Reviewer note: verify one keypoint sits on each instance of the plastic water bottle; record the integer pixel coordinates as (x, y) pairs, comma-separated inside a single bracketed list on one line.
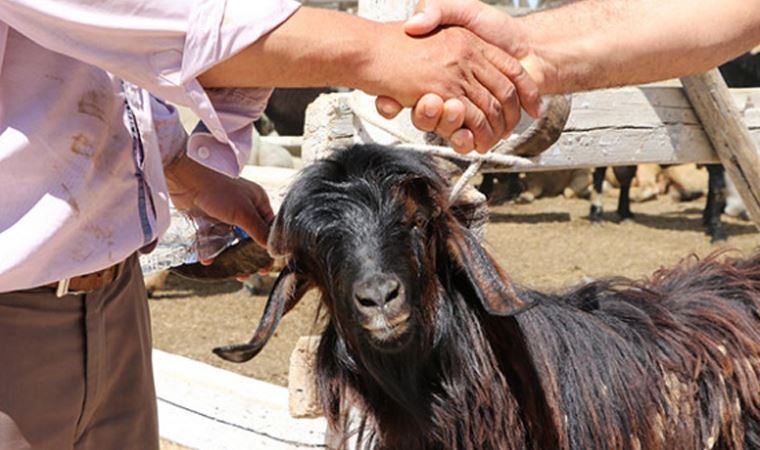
[(188, 240)]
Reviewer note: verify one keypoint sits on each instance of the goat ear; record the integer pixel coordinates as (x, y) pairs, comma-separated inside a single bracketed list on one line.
[(287, 291), (486, 280)]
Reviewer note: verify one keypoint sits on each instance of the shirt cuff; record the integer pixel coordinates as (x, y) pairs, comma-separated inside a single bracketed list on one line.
[(207, 150)]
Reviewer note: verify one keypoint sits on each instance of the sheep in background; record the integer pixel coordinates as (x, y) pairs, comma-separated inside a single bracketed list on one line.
[(527, 187)]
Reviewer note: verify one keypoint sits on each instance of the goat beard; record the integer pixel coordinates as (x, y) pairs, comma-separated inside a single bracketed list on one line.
[(444, 390)]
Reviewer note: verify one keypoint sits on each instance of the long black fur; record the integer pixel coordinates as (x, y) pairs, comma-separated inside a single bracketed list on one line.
[(672, 362)]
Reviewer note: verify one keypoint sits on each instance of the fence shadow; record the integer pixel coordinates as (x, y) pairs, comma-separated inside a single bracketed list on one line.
[(545, 217), (179, 287), (681, 221)]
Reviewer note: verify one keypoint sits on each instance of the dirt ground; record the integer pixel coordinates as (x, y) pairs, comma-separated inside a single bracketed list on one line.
[(548, 245)]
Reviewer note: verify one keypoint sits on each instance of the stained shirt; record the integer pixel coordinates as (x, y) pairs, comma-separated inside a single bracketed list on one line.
[(78, 192)]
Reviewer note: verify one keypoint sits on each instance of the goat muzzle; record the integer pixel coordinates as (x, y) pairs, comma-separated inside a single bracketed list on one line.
[(380, 300)]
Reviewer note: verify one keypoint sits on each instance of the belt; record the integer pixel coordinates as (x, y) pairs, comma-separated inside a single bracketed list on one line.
[(88, 282)]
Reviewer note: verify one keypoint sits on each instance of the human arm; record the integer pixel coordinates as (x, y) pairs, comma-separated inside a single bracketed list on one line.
[(200, 191), (380, 59), (595, 44), (207, 196), (165, 46)]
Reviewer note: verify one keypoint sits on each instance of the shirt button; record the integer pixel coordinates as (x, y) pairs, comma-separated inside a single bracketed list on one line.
[(203, 152)]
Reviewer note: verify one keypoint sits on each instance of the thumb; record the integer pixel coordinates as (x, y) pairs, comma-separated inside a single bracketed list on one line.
[(425, 20)]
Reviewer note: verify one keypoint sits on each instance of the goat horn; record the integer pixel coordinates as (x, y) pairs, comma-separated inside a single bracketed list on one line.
[(543, 132), (287, 291)]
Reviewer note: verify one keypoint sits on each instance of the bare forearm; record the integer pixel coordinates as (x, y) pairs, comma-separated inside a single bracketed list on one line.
[(603, 43), (314, 47), (323, 48)]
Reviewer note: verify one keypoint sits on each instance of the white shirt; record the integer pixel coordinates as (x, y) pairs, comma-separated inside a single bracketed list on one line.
[(77, 196)]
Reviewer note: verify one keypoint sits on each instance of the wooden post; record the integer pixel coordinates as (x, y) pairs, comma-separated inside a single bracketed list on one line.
[(386, 10), (722, 121)]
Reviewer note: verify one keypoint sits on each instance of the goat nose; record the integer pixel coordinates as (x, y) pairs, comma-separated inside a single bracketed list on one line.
[(377, 291)]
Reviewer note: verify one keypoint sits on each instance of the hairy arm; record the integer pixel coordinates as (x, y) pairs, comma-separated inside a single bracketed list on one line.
[(602, 43), (594, 44)]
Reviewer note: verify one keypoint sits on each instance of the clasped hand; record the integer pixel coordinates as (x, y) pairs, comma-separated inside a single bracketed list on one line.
[(482, 102)]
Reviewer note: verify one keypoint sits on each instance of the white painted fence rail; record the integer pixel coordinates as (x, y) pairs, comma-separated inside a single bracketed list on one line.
[(206, 408), (633, 125)]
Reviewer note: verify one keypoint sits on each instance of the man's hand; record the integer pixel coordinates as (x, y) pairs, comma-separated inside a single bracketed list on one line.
[(490, 24), (454, 64), (200, 190), (326, 48), (433, 114), (585, 45)]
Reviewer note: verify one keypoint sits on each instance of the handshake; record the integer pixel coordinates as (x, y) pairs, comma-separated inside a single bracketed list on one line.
[(481, 75), (468, 70)]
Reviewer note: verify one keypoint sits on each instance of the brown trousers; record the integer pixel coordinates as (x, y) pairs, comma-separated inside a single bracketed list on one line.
[(75, 372)]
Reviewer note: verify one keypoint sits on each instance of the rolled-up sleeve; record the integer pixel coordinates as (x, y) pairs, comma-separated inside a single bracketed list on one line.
[(162, 46)]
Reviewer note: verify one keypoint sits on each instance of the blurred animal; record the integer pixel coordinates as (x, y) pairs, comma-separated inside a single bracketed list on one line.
[(438, 349), (525, 188), (286, 110), (741, 72)]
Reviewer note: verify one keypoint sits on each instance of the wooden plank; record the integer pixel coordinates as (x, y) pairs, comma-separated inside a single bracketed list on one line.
[(274, 180), (647, 124), (329, 124), (735, 145), (203, 407), (386, 10)]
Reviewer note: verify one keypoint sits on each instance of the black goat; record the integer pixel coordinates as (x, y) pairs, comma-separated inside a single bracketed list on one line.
[(439, 350), (286, 110)]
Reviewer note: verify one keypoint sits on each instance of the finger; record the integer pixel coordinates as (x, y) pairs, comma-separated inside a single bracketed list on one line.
[(485, 117), (462, 141), (477, 123), (505, 93), (264, 208), (387, 107), (530, 94), (431, 14), (242, 278), (207, 262), (525, 86), (502, 91), (426, 19), (257, 229), (453, 118), (427, 112)]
